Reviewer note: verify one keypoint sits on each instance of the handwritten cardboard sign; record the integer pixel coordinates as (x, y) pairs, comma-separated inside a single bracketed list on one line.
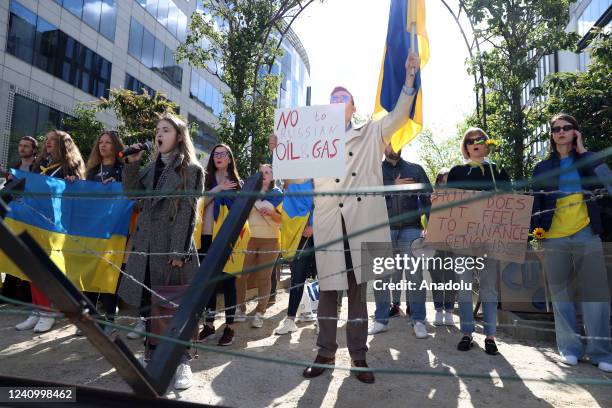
[(310, 142), (497, 226)]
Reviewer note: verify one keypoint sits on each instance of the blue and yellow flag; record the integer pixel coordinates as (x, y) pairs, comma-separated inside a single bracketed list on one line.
[(85, 237), (221, 209), (295, 215), (405, 17)]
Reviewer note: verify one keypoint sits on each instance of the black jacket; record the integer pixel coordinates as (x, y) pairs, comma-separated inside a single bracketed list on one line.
[(402, 203), (543, 202), (469, 177)]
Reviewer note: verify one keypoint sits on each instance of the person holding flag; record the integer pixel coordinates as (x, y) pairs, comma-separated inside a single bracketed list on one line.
[(337, 216)]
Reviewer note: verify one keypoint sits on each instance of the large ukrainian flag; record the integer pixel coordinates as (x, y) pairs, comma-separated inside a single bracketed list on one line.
[(403, 16), (295, 215), (77, 233)]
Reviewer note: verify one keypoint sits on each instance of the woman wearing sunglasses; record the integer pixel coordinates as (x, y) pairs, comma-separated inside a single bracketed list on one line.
[(570, 219), (481, 175)]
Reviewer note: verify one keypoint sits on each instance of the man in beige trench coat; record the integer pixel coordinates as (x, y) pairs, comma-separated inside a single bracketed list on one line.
[(336, 216)]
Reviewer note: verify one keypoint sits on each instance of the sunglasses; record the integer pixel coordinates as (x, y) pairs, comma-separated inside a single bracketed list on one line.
[(478, 140), (340, 99), (565, 128), (220, 155)]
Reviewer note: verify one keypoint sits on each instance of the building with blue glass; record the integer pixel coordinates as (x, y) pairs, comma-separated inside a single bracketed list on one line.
[(57, 53), (586, 18)]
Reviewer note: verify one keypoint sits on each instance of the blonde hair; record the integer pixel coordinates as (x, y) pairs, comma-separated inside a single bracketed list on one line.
[(68, 155), (470, 132)]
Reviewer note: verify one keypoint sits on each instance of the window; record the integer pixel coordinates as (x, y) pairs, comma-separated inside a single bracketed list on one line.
[(154, 54), (135, 85), (56, 53), (135, 41), (74, 6), (206, 93), (31, 118), (22, 32), (148, 47), (108, 19), (92, 9), (101, 15), (169, 15)]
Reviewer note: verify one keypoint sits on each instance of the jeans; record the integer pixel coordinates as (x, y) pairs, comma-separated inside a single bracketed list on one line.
[(584, 252), (488, 298), (301, 268), (226, 285), (402, 237)]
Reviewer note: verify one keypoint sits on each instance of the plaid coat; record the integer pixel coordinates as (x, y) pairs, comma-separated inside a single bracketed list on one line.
[(164, 225)]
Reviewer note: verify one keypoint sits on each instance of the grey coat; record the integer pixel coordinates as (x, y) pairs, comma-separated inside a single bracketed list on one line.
[(164, 225)]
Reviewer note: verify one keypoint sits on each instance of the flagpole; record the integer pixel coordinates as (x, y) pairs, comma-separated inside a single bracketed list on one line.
[(412, 15)]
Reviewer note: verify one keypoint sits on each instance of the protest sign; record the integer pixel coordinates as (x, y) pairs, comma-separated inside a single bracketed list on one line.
[(310, 142), (497, 225)]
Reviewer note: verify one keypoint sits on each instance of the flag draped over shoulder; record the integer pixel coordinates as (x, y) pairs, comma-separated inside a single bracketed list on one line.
[(85, 237), (295, 215), (221, 209), (403, 16)]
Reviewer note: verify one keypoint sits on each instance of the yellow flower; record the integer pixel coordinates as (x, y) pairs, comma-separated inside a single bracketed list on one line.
[(538, 233), (491, 143)]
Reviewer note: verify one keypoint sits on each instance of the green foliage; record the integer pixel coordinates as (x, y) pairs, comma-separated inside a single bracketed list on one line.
[(84, 127), (137, 114), (517, 34), (585, 95), (437, 155), (238, 36)]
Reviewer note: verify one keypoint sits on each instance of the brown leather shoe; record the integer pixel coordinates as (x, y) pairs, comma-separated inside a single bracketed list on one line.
[(312, 372), (363, 376)]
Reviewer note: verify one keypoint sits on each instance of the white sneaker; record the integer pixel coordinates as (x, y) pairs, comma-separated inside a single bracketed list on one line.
[(449, 320), (138, 331), (286, 326), (420, 331), (257, 321), (569, 360), (28, 323), (607, 367), (439, 318), (45, 323), (307, 317), (183, 377), (239, 316), (377, 327)]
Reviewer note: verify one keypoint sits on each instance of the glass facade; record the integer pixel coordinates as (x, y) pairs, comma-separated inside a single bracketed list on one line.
[(154, 54), (204, 139), (167, 13), (295, 78), (38, 42), (206, 93), (31, 118), (591, 14), (101, 15), (135, 85)]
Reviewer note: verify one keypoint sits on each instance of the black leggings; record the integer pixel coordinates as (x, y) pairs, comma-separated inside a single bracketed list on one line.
[(226, 285)]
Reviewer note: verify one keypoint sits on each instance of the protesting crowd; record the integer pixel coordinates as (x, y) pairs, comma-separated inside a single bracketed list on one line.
[(171, 236)]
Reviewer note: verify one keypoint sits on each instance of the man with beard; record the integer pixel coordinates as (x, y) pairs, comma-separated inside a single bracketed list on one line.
[(397, 171), (13, 287)]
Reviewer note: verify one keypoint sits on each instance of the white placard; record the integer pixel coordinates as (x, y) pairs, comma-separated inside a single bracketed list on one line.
[(310, 142)]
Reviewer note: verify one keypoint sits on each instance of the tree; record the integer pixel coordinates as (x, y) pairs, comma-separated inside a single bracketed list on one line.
[(436, 156), (518, 33), (83, 127), (136, 114), (243, 37), (585, 95)]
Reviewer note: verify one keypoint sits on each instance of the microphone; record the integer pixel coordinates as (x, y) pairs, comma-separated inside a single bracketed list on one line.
[(146, 146)]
